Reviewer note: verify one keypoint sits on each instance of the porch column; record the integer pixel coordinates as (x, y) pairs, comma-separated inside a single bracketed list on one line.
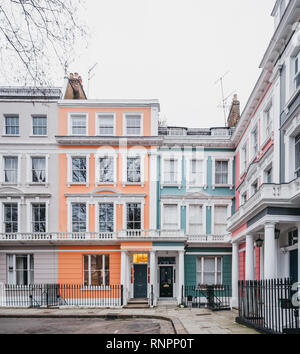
[(270, 252), (153, 275), (298, 226), (249, 262), (180, 276), (123, 275), (261, 264), (235, 274)]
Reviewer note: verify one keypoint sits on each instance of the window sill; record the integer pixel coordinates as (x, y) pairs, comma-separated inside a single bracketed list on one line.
[(176, 185), (133, 184), (10, 135), (38, 136), (222, 186), (95, 287), (196, 186), (38, 184)]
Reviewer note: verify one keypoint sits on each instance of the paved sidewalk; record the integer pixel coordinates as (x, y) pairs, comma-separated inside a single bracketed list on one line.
[(185, 320)]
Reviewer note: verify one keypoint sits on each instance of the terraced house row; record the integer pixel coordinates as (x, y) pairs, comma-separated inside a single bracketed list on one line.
[(98, 193)]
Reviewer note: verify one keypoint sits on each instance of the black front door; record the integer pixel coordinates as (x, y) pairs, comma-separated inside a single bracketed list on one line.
[(140, 280), (166, 281)]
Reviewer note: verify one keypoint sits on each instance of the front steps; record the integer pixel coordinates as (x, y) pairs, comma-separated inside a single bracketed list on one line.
[(137, 304), (168, 302)]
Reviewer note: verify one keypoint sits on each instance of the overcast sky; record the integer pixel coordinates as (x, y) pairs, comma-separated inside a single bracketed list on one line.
[(175, 51)]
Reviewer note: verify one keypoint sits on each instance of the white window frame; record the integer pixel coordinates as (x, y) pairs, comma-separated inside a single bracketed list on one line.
[(39, 116), (9, 201), (178, 205), (69, 167), (253, 152), (142, 202), (230, 174), (244, 158), (201, 260), (90, 286), (70, 125), (223, 204), (203, 217), (268, 112), (166, 157), (141, 154), (29, 213), (128, 114), (294, 74), (97, 209), (29, 169), (29, 255), (98, 118), (2, 172), (4, 125), (69, 207), (106, 154), (189, 169)]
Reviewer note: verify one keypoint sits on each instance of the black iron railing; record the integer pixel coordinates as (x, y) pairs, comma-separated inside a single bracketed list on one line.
[(267, 305), (215, 297), (41, 295)]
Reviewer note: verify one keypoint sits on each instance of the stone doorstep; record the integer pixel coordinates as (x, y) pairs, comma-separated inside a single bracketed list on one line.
[(176, 323)]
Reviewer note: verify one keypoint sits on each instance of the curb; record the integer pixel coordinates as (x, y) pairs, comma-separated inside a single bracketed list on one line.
[(176, 323)]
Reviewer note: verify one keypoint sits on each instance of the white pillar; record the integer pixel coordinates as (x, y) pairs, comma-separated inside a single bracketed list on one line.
[(261, 265), (249, 274), (153, 275), (235, 274), (270, 252), (298, 253), (180, 276), (123, 275)]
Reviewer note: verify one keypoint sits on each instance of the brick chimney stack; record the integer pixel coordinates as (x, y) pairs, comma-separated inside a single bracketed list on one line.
[(234, 113), (74, 89)]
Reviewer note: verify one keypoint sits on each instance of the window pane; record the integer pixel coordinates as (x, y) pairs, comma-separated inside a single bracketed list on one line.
[(106, 169), (196, 173), (12, 125), (220, 220), (79, 169), (79, 125), (106, 124), (39, 169), (170, 217), (134, 216), (106, 217), (221, 172), (11, 217), (134, 169), (195, 219), (39, 217), (133, 125), (39, 125), (170, 173), (78, 217), (11, 169)]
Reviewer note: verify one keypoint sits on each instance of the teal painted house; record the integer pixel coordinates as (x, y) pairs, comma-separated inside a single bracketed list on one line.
[(195, 194)]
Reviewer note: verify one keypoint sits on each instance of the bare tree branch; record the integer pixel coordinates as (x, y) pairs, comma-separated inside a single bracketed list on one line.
[(36, 35)]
